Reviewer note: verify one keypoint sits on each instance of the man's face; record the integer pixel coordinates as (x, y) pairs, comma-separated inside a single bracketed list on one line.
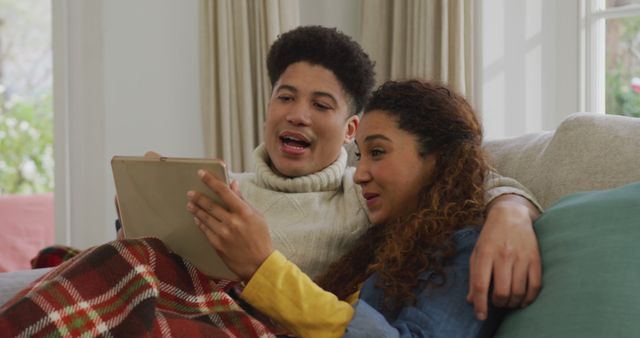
[(307, 121)]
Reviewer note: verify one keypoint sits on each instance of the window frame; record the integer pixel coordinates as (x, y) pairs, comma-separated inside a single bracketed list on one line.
[(592, 37), (79, 119)]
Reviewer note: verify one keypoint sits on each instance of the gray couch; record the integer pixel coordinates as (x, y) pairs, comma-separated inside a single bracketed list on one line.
[(12, 282), (586, 152)]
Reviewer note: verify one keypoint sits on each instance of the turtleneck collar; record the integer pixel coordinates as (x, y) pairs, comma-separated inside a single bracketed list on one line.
[(327, 179)]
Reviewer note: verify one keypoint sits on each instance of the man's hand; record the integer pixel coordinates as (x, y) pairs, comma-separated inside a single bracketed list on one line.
[(239, 234), (507, 249)]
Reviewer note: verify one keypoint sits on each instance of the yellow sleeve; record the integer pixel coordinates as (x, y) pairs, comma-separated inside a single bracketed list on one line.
[(354, 296), (281, 291)]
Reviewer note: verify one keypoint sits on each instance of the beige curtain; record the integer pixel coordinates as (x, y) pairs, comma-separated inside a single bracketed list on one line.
[(234, 39), (432, 39)]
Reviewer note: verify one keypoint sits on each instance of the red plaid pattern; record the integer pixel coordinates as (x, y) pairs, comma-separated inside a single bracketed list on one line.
[(53, 256), (128, 288)]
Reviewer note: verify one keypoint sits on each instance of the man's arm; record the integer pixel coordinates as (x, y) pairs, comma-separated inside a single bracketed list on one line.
[(507, 249)]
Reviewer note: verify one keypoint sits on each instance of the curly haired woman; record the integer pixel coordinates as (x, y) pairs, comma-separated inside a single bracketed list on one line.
[(422, 171)]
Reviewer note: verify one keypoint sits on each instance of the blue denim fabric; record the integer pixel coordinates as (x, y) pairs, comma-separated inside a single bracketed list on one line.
[(438, 312)]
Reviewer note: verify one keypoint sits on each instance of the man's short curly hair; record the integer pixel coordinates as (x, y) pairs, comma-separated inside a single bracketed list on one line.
[(330, 49)]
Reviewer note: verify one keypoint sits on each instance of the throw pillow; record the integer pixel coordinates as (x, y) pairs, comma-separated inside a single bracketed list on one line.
[(589, 243)]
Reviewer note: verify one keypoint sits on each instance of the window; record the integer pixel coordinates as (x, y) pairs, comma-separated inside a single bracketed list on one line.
[(612, 57), (26, 132), (26, 118)]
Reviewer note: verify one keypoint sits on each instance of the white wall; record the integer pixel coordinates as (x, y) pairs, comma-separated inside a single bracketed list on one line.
[(151, 61), (528, 64), (126, 82)]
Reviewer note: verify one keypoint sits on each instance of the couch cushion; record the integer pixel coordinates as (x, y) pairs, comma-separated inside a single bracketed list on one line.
[(13, 282), (586, 152), (589, 244)]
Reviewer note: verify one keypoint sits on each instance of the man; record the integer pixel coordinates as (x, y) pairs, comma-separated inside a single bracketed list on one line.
[(321, 79)]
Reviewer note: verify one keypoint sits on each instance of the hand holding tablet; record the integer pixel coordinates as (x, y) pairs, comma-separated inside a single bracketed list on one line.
[(152, 197)]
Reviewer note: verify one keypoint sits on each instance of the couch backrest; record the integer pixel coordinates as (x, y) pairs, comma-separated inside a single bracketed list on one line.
[(586, 152)]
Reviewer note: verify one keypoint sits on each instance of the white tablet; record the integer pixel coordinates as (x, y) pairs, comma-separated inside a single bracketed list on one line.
[(152, 198)]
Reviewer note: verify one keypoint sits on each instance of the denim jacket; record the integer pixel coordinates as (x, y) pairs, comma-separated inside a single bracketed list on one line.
[(440, 311)]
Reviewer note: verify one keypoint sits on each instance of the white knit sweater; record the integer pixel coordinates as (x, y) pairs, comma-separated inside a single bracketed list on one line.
[(313, 219)]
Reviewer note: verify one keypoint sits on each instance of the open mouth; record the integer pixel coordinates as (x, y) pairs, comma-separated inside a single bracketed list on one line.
[(294, 142)]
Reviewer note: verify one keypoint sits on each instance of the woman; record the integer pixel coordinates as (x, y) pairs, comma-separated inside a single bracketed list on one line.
[(421, 171)]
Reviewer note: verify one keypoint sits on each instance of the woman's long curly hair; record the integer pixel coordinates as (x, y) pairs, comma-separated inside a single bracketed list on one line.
[(445, 125)]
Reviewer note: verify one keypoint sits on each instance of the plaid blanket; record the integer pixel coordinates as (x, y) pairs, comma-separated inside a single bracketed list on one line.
[(128, 288), (52, 256)]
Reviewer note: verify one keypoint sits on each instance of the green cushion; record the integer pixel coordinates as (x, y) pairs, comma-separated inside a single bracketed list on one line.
[(590, 247)]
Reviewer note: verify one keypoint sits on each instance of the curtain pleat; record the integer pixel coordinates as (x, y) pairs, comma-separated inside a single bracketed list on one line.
[(431, 39), (235, 36)]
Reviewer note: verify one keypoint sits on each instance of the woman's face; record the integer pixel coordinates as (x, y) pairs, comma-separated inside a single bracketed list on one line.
[(390, 171)]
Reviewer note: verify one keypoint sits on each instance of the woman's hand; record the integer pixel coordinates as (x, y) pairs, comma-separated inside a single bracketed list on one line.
[(507, 249), (239, 233)]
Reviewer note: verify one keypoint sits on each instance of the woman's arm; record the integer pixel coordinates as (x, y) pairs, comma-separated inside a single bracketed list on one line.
[(284, 293), (275, 286)]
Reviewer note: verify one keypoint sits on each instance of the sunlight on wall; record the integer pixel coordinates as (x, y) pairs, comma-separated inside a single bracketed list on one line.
[(525, 88)]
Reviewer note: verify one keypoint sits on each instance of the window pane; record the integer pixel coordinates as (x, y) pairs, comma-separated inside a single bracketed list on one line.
[(620, 3), (623, 66), (26, 118)]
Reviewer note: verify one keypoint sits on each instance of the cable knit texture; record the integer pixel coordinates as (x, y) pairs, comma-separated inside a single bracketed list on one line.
[(328, 179), (313, 219)]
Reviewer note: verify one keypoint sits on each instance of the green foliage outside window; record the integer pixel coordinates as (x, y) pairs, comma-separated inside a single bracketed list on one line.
[(26, 146), (621, 99), (26, 114), (623, 64)]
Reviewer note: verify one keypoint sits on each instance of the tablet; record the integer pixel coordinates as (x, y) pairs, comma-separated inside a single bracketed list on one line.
[(152, 198)]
